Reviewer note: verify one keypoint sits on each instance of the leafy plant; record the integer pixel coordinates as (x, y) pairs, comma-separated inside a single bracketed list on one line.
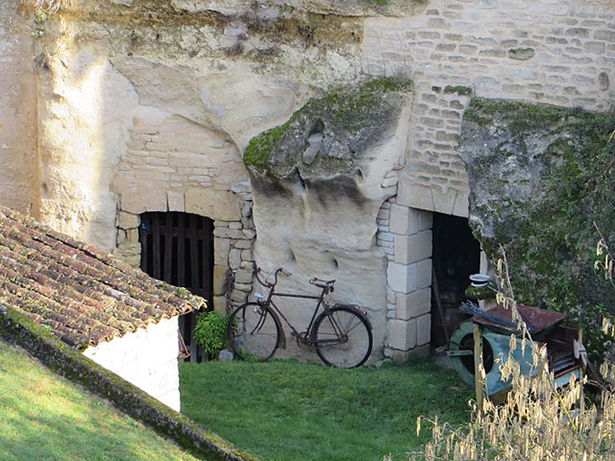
[(210, 332)]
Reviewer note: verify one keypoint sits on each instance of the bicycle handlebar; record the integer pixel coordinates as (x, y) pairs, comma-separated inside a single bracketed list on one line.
[(275, 277), (320, 283)]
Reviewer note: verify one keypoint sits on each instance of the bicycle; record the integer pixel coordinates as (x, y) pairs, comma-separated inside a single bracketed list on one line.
[(341, 334)]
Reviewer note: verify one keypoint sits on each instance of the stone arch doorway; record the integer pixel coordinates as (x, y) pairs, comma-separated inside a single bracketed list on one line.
[(456, 255), (178, 248)]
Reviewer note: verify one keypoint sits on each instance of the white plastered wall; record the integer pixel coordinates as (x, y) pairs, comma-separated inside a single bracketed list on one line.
[(146, 358)]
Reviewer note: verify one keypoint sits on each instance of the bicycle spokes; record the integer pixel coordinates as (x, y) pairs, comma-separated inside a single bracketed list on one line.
[(343, 337)]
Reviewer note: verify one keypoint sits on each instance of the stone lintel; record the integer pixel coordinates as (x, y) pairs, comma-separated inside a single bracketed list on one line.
[(433, 198), (141, 200), (212, 203), (176, 201)]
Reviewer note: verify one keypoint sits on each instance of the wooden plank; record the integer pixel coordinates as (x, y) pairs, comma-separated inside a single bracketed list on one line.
[(144, 239), (156, 250), (479, 382), (181, 251), (194, 262), (208, 260), (168, 248)]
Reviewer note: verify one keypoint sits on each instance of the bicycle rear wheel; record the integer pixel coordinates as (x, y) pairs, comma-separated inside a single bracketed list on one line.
[(343, 337), (254, 332)]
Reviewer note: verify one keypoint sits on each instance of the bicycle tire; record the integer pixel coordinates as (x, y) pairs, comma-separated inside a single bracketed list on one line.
[(343, 337), (254, 332)]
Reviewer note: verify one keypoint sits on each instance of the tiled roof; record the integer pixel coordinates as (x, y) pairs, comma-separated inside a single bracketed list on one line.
[(81, 293)]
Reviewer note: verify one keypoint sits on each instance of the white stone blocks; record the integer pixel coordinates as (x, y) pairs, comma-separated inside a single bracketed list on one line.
[(406, 220), (406, 278), (221, 250), (413, 304), (413, 248), (127, 220), (423, 330), (402, 334)]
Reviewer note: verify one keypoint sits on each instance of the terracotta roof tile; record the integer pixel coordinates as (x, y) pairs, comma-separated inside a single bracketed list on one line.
[(84, 295)]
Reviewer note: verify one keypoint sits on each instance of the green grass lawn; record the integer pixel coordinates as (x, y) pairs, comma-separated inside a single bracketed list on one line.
[(286, 410), (45, 417)]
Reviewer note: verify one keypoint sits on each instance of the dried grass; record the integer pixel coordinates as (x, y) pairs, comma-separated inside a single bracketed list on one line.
[(538, 421), (49, 7)]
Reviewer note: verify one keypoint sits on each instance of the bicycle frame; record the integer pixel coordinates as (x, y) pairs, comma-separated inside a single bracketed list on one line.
[(339, 334), (269, 303)]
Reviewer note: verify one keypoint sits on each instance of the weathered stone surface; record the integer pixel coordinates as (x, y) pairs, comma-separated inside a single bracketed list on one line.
[(535, 191), (19, 185), (215, 204), (127, 220), (333, 135), (413, 304), (137, 201)]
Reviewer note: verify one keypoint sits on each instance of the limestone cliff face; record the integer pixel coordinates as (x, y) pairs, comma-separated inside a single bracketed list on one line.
[(18, 173), (150, 105), (317, 183)]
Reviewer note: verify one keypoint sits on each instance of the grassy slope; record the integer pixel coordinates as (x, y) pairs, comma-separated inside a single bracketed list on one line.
[(44, 417), (284, 410)]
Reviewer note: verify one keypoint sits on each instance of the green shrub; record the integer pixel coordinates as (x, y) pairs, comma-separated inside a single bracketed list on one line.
[(210, 332)]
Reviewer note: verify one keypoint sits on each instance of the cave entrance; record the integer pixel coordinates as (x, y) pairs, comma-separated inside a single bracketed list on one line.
[(456, 255), (178, 248)]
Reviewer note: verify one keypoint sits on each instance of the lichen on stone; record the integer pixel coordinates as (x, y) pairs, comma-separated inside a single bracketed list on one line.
[(329, 135), (541, 182)]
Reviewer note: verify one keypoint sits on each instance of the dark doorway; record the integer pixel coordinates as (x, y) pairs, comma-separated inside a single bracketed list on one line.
[(456, 255), (178, 248)]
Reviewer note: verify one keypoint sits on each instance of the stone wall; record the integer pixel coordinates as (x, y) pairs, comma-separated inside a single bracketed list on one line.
[(147, 358), (175, 164), (149, 105), (558, 52)]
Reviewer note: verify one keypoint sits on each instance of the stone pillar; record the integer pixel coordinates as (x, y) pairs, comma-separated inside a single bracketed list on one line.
[(409, 284)]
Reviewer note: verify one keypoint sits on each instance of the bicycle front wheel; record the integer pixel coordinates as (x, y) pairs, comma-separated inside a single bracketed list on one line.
[(343, 337), (254, 332)]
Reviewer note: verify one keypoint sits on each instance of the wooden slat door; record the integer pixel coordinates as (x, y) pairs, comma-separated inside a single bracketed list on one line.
[(178, 248)]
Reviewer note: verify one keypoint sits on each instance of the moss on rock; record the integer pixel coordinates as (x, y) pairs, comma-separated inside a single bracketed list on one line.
[(328, 135), (542, 180)]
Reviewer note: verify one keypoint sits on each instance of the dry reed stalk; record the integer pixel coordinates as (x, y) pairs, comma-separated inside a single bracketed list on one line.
[(538, 421)]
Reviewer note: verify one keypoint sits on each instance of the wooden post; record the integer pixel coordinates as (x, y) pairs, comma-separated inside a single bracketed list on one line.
[(479, 382)]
